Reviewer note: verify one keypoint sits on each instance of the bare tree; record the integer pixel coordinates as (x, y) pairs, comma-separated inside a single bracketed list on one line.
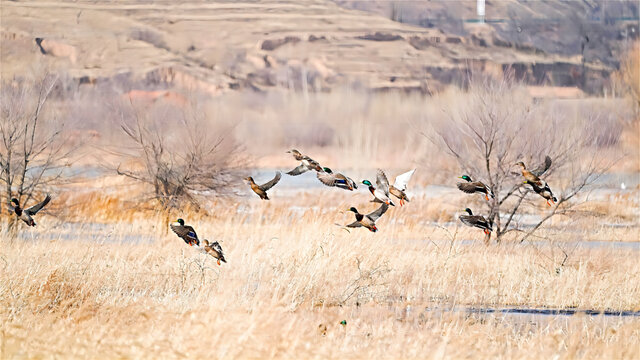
[(171, 147), (500, 125), (32, 150)]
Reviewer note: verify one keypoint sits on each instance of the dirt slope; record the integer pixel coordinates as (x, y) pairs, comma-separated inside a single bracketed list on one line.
[(312, 45)]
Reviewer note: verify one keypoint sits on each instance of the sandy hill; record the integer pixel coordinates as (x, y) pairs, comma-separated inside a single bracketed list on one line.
[(218, 46)]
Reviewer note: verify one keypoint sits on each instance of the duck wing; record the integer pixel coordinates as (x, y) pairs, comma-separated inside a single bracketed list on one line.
[(298, 170), (403, 179), (37, 207), (354, 224), (472, 187), (475, 220), (542, 168), (378, 213), (335, 179), (270, 184), (186, 233), (382, 182), (326, 178)]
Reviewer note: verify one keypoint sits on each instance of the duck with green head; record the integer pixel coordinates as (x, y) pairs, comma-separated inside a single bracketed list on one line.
[(329, 178), (381, 193), (185, 232), (476, 221), (368, 221), (471, 187)]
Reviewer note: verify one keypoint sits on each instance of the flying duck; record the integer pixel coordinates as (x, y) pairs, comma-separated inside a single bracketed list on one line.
[(306, 163), (26, 215), (261, 190)]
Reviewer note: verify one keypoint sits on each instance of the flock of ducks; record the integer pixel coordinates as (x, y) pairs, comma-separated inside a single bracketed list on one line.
[(382, 193)]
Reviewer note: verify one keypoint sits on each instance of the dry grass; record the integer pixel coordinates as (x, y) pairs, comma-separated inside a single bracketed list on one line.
[(292, 274)]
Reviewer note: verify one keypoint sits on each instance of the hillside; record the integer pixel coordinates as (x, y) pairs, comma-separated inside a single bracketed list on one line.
[(314, 45)]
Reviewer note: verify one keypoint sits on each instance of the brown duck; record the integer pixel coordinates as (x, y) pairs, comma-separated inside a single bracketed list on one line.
[(533, 176), (261, 190), (306, 163)]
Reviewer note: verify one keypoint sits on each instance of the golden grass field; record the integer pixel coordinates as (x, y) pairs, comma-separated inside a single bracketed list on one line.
[(130, 289), (103, 277)]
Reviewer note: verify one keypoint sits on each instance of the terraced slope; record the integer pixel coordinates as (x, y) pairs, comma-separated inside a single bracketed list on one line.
[(312, 45)]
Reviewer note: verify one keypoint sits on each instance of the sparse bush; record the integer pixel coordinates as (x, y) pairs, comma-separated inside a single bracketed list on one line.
[(500, 125), (178, 151), (33, 151)]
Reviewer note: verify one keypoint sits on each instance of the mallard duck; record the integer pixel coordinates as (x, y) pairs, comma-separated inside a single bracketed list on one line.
[(400, 186), (261, 190), (544, 191), (329, 178), (381, 193), (307, 163), (471, 187), (26, 214), (369, 220), (185, 232), (214, 249), (476, 221), (533, 176)]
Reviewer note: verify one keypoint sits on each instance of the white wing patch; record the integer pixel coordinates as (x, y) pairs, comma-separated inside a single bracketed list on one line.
[(402, 180)]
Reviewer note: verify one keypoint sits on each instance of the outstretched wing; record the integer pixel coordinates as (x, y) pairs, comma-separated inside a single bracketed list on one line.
[(298, 170), (337, 180), (37, 207), (327, 179), (187, 233), (376, 214), (542, 168), (403, 179), (471, 187), (475, 220), (354, 224), (270, 184), (382, 182)]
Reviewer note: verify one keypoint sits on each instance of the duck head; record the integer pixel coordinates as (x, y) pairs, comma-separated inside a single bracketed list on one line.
[(15, 202), (353, 209), (367, 182), (180, 221), (248, 179), (521, 164), (468, 211), (465, 177), (327, 170)]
